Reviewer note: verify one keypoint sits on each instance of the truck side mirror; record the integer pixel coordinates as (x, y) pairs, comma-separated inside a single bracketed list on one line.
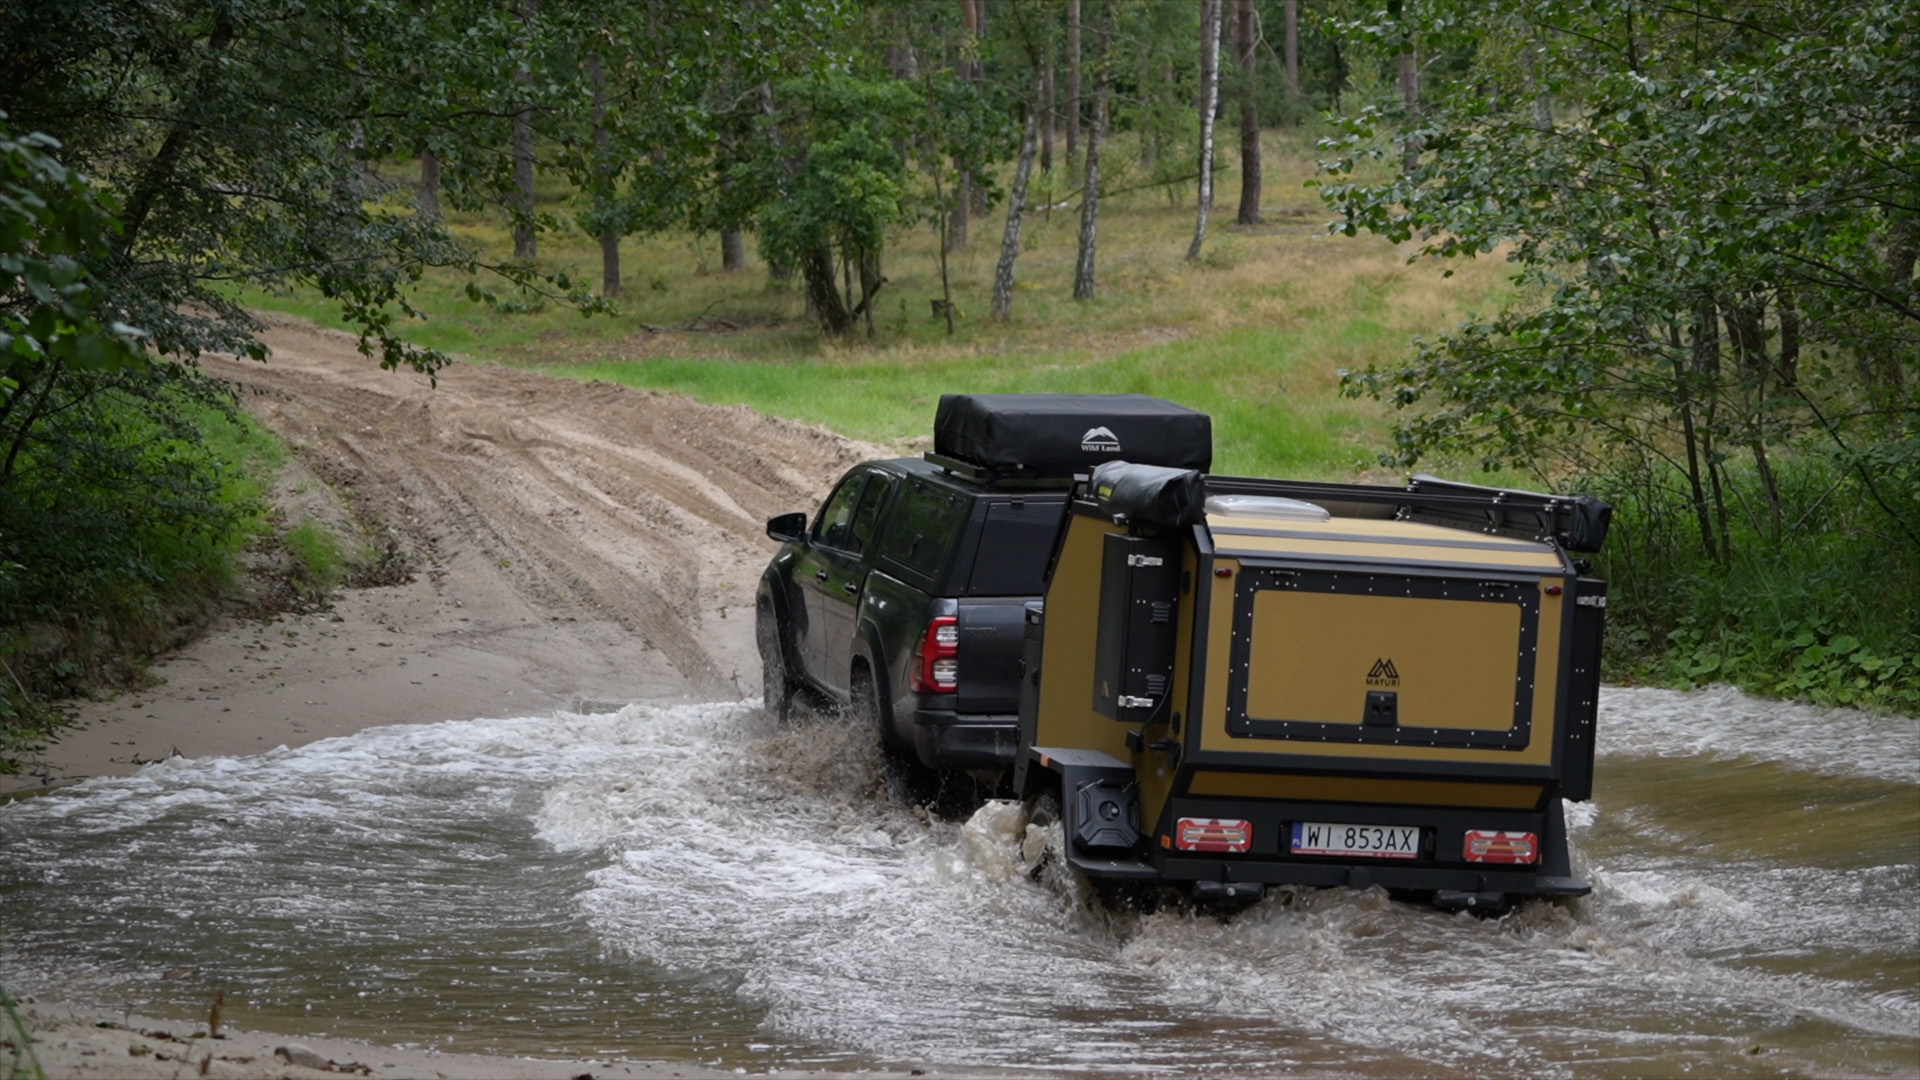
[(787, 528)]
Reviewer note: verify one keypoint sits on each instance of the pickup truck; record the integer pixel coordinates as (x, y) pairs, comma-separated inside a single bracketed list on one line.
[(904, 599)]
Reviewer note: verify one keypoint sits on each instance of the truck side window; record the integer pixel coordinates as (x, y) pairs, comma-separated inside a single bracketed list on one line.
[(834, 527), (922, 529), (868, 516)]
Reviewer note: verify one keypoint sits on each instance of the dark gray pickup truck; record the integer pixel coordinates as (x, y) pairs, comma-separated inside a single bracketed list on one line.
[(905, 597)]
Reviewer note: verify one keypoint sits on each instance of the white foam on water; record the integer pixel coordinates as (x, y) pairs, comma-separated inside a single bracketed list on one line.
[(717, 853), (1722, 722)]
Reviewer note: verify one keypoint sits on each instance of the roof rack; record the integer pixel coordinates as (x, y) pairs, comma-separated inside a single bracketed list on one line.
[(1013, 477)]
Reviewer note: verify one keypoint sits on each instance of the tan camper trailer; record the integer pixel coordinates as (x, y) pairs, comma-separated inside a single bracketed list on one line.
[(1237, 683)]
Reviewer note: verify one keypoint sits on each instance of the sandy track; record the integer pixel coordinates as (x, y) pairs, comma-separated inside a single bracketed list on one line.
[(580, 500), (570, 543)]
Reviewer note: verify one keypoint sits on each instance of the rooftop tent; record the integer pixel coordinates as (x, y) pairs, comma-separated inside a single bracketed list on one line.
[(1058, 435)]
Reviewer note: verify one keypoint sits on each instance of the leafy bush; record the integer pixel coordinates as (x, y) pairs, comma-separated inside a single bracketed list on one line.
[(126, 501), (1826, 612)]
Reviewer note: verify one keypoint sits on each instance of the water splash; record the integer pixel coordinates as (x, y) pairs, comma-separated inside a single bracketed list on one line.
[(702, 883)]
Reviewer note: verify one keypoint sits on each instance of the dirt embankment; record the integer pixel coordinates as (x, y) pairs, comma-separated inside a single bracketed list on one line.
[(566, 543)]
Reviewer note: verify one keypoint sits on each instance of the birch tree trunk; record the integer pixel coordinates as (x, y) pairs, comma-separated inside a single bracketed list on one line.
[(1209, 100), (1246, 33), (1084, 287), (526, 244), (1073, 78), (1410, 95), (1016, 209), (1049, 110)]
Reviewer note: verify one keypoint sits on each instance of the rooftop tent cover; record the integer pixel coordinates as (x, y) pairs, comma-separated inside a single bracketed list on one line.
[(1061, 434)]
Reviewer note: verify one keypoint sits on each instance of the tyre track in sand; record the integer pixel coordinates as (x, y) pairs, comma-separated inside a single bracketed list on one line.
[(566, 502)]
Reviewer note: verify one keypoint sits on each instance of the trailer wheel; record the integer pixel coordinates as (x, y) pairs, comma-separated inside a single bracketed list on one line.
[(1044, 850)]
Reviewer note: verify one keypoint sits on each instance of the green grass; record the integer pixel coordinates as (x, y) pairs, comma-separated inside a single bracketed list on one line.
[(319, 564), (1256, 333), (1246, 379)]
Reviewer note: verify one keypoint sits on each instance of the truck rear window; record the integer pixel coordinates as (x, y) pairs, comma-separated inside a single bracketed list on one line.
[(922, 529), (1014, 548)]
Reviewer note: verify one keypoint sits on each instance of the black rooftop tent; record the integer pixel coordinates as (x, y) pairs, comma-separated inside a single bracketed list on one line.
[(1043, 436)]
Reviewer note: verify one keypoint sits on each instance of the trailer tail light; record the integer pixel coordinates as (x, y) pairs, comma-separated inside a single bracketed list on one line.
[(1502, 847), (1212, 834), (936, 659)]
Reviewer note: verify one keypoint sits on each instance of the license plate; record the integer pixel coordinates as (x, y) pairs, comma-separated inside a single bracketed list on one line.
[(1367, 841)]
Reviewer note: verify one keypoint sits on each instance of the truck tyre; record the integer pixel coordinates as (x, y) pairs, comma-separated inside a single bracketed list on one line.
[(908, 781), (776, 682)]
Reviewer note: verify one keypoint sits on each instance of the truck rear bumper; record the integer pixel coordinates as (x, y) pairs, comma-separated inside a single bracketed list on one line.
[(944, 739)]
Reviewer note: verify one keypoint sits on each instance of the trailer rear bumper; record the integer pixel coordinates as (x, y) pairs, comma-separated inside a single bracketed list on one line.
[(1440, 861), (1357, 876)]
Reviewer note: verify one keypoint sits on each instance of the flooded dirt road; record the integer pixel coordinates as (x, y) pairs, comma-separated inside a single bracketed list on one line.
[(692, 882)]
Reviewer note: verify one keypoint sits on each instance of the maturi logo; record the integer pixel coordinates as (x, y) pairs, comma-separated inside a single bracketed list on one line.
[(1383, 673), (1100, 440)]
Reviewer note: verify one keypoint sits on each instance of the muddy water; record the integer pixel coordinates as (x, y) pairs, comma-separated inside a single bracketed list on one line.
[(694, 883)]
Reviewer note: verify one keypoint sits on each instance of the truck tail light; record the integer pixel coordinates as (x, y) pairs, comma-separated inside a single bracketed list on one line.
[(1212, 834), (936, 659), (1502, 847)]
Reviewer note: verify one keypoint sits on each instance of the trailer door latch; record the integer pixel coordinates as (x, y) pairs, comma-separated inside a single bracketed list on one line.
[(1383, 709)]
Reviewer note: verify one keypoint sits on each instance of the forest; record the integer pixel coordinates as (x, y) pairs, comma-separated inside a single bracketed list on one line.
[(1701, 217)]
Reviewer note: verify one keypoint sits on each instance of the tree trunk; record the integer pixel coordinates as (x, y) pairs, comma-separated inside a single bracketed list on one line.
[(1049, 110), (158, 172), (609, 236), (1222, 46), (963, 192), (1410, 98), (1073, 78), (733, 251), (871, 279), (1542, 117), (1291, 61), (428, 200), (526, 244), (1084, 287), (1246, 32), (1788, 367), (1339, 78), (1706, 390), (945, 305), (1016, 208), (823, 293), (1209, 99), (1696, 489)]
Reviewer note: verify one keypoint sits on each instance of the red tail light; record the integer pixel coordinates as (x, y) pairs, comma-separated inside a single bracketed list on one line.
[(936, 660), (1212, 834), (1502, 847)]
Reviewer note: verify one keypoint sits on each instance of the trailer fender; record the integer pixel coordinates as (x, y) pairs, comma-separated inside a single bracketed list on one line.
[(1099, 806)]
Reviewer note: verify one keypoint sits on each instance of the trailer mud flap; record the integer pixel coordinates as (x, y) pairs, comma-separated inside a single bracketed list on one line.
[(1100, 810)]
